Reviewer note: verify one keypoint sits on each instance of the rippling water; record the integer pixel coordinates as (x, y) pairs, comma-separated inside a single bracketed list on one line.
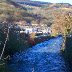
[(43, 57)]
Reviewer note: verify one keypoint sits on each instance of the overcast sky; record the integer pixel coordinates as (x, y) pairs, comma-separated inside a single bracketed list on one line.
[(56, 1)]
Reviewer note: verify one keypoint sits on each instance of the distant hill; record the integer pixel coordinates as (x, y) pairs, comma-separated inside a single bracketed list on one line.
[(42, 13), (58, 5), (45, 10), (31, 3), (9, 9), (13, 11), (45, 4)]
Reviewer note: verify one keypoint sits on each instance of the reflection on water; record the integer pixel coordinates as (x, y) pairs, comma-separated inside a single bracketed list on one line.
[(44, 57)]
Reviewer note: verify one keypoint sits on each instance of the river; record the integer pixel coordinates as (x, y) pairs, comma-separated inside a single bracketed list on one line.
[(43, 57)]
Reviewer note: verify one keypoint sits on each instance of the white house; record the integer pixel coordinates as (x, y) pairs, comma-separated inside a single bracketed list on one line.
[(30, 30), (46, 30)]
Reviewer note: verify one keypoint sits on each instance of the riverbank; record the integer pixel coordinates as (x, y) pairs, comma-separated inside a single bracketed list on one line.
[(43, 57), (45, 54), (42, 39), (67, 53), (17, 41), (24, 42)]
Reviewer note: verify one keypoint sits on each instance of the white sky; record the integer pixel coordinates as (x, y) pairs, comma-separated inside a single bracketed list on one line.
[(56, 1)]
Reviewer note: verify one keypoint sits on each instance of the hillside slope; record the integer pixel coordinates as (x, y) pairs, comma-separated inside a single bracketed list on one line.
[(12, 12), (8, 10), (47, 11)]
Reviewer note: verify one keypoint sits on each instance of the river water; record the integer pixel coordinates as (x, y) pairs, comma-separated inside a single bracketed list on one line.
[(43, 57)]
